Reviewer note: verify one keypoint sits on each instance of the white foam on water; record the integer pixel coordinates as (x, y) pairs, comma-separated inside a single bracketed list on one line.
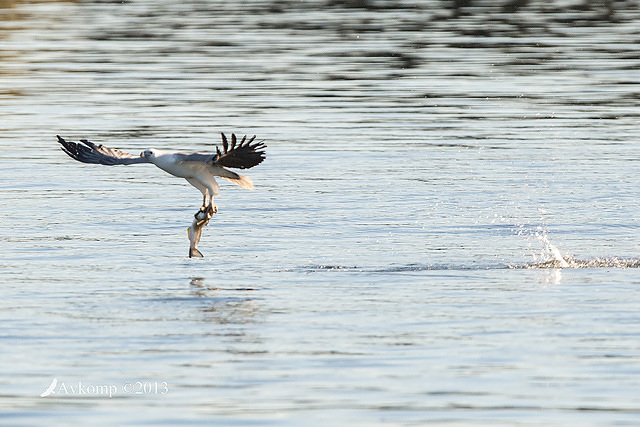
[(551, 257), (551, 249)]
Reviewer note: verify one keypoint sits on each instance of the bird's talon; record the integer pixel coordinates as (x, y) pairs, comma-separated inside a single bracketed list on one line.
[(211, 209)]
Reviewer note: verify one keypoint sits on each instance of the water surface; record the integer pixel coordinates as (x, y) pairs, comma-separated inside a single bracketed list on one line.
[(445, 229)]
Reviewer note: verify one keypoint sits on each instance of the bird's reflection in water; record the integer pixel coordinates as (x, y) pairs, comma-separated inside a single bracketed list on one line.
[(227, 305), (199, 288)]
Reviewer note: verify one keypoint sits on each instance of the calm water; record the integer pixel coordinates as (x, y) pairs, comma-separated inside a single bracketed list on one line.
[(416, 163)]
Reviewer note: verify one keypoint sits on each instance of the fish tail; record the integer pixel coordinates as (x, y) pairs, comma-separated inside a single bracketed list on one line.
[(193, 252)]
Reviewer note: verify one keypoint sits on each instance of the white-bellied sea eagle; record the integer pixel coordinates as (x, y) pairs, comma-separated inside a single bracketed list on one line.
[(200, 169)]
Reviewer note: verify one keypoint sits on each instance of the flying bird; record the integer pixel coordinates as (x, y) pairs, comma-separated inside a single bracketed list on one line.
[(199, 169)]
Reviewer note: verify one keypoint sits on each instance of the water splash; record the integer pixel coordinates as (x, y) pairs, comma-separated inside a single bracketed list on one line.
[(551, 257), (551, 251), (610, 262), (547, 257)]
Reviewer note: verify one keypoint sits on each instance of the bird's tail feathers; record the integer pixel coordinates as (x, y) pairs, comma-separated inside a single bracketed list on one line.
[(241, 180)]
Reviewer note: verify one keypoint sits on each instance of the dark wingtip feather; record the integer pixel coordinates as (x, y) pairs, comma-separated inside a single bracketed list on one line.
[(96, 153), (225, 143), (91, 144), (243, 154)]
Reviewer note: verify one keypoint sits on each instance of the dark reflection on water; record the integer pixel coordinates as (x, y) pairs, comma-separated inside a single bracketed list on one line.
[(234, 310), (317, 63)]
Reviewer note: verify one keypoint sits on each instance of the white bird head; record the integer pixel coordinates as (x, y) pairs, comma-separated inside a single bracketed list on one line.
[(149, 153)]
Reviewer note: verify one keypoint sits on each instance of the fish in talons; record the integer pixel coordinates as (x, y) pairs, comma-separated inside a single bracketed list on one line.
[(200, 220), (199, 169)]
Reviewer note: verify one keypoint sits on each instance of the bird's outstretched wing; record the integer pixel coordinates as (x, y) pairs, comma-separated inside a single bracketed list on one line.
[(244, 155), (98, 154)]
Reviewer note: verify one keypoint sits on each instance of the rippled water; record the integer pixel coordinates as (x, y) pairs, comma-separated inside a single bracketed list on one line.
[(445, 229)]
